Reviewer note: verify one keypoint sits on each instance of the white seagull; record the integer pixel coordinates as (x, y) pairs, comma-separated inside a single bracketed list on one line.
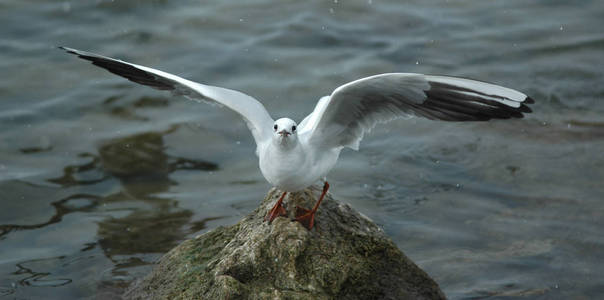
[(294, 156)]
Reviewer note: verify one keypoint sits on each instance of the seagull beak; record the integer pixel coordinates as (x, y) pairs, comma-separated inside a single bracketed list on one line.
[(284, 133)]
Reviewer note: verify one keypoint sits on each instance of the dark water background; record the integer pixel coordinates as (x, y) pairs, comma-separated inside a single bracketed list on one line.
[(99, 176)]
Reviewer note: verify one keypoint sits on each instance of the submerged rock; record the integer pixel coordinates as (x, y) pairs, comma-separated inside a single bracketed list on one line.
[(345, 256)]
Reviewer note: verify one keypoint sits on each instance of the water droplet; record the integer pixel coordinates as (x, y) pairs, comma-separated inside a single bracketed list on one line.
[(561, 27), (417, 62)]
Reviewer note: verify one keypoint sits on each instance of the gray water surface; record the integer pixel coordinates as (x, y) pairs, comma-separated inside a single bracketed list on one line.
[(99, 176)]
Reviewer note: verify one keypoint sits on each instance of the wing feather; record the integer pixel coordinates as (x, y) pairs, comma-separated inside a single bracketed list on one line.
[(342, 119), (253, 112)]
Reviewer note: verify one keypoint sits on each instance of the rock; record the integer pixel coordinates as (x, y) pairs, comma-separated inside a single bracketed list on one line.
[(346, 256)]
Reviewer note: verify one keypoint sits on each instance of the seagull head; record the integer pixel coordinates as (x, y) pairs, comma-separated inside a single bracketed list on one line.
[(284, 131)]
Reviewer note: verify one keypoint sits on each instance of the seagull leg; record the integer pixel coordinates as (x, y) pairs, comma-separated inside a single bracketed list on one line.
[(307, 217), (277, 210)]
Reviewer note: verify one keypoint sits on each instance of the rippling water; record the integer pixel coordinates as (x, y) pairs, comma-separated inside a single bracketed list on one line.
[(99, 176)]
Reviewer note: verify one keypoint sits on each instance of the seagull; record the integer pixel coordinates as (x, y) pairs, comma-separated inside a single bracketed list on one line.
[(293, 156)]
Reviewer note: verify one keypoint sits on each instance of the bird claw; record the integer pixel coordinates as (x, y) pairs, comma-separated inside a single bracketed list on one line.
[(301, 211), (276, 211), (305, 217)]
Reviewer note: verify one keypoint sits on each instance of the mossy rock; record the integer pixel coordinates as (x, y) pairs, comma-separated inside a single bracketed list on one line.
[(345, 256)]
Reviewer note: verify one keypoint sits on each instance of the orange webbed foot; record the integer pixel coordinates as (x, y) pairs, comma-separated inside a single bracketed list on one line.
[(305, 217), (277, 210)]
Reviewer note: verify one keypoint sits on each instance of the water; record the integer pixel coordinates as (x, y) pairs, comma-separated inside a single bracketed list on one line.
[(99, 176)]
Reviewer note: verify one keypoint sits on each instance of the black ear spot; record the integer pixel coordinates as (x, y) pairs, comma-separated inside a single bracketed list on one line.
[(293, 128), (275, 127)]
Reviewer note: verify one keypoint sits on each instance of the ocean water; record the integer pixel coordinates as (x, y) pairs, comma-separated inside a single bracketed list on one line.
[(99, 176)]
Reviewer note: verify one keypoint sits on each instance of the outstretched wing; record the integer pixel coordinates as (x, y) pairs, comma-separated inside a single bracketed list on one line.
[(341, 120), (253, 112)]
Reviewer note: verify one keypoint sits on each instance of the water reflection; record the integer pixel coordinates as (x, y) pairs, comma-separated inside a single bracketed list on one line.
[(37, 278), (129, 111), (143, 231), (29, 150), (143, 168), (142, 156), (83, 174), (135, 220), (71, 204)]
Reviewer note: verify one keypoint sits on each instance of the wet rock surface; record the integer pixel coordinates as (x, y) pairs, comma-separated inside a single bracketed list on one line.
[(345, 256)]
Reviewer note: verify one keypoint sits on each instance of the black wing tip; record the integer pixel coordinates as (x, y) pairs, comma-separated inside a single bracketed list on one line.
[(523, 105), (124, 69), (83, 54), (78, 53), (525, 109), (529, 100)]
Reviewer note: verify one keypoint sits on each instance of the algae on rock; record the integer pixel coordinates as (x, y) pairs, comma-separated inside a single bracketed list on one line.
[(345, 256)]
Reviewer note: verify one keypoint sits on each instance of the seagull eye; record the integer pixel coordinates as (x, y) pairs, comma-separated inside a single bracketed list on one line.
[(275, 127), (294, 128)]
